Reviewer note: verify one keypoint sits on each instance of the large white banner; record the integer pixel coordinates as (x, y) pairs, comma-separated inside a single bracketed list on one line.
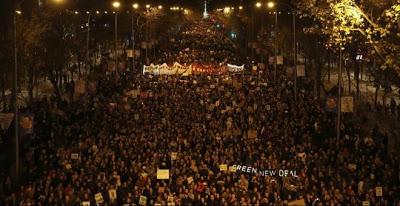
[(235, 68)]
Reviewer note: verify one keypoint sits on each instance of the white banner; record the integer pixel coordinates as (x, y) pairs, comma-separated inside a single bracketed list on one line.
[(235, 68)]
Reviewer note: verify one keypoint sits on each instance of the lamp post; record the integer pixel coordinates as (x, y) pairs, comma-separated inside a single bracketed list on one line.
[(135, 6), (116, 6), (16, 131), (88, 43), (272, 5)]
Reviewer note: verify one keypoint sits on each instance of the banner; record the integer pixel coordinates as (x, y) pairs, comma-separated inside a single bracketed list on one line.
[(234, 68), (347, 104), (5, 120)]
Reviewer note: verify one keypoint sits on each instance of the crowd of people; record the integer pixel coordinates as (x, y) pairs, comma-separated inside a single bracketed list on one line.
[(203, 42), (117, 136)]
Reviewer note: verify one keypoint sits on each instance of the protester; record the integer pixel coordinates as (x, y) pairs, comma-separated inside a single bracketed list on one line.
[(117, 137)]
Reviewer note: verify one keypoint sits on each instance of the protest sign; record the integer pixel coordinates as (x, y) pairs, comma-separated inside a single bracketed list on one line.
[(162, 174), (347, 104), (142, 200), (112, 193), (5, 120), (86, 203), (365, 203), (279, 60), (74, 156), (301, 71), (190, 180), (174, 155), (297, 202), (80, 87), (99, 198), (223, 167), (378, 191), (252, 134), (232, 169)]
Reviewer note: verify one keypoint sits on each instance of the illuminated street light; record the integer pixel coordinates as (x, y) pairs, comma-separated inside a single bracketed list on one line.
[(97, 12), (58, 1), (116, 4), (76, 12), (18, 12), (227, 10), (135, 6), (258, 4), (147, 6), (240, 7), (160, 7), (271, 4)]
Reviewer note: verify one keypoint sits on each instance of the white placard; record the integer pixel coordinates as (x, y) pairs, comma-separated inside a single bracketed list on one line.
[(162, 174), (142, 200)]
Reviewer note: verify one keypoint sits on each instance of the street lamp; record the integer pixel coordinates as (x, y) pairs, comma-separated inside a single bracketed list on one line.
[(147, 6), (160, 7), (272, 5), (258, 4), (116, 6), (135, 6), (240, 7)]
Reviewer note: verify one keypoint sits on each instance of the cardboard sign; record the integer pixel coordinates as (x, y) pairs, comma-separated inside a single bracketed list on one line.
[(297, 202), (112, 194), (223, 167), (232, 169), (5, 120), (174, 155), (301, 71), (252, 134), (268, 107), (136, 116), (86, 203), (365, 203), (254, 68), (190, 180), (170, 199), (68, 166), (347, 104), (378, 191), (142, 200), (80, 87), (279, 60), (74, 156), (162, 174), (99, 198)]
